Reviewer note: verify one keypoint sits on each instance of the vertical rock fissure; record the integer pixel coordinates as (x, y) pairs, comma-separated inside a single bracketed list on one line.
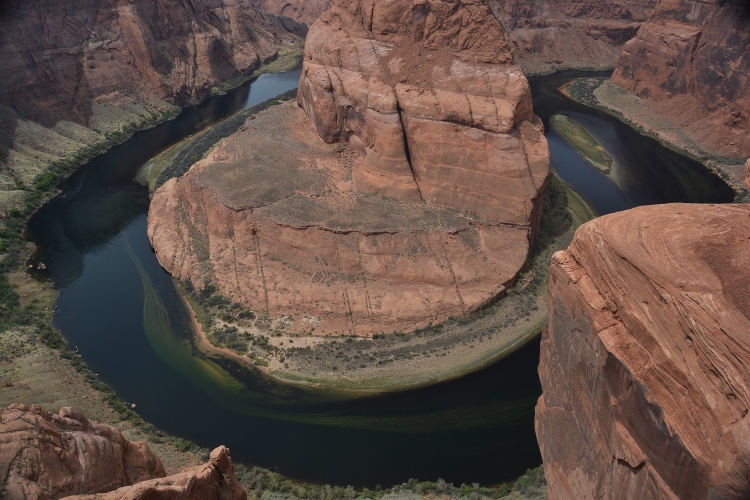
[(407, 149)]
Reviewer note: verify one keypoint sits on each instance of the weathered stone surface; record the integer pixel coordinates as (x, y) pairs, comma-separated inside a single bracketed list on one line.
[(691, 60), (304, 11), (571, 34), (214, 480), (427, 92), (644, 364), (274, 220), (43, 455), (747, 179)]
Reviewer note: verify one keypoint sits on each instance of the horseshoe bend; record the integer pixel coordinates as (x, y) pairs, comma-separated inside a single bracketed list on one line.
[(403, 188)]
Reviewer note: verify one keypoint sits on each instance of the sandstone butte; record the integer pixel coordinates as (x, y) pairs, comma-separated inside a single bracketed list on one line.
[(47, 456), (430, 210), (304, 11), (570, 34), (644, 366), (690, 59)]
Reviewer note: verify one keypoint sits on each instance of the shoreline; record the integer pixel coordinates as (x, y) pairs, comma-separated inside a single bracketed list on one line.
[(729, 169)]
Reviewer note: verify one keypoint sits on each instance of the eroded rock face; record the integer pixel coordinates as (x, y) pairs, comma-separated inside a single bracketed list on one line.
[(304, 11), (214, 480), (747, 179), (691, 59), (44, 455), (428, 93), (274, 220), (572, 34), (644, 364)]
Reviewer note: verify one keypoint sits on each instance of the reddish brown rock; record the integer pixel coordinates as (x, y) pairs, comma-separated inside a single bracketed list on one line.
[(428, 93), (571, 34), (644, 366), (214, 480), (304, 11), (747, 179), (43, 455), (691, 60), (272, 218)]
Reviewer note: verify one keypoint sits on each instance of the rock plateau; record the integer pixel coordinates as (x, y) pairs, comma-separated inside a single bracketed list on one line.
[(425, 206), (573, 34), (691, 61), (644, 364)]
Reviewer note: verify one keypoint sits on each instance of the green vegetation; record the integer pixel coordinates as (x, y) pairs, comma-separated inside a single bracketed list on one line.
[(582, 142), (263, 484)]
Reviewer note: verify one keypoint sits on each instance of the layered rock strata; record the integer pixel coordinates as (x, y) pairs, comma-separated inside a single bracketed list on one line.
[(214, 480), (573, 34), (47, 455), (644, 364), (304, 11), (691, 61), (428, 94), (273, 218), (76, 73)]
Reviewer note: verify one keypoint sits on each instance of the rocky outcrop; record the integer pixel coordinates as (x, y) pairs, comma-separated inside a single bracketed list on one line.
[(747, 178), (691, 60), (272, 218), (304, 11), (46, 455), (428, 94), (644, 364), (551, 35), (214, 480)]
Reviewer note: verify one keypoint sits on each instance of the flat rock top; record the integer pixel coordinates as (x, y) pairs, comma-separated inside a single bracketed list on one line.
[(677, 277), (276, 165)]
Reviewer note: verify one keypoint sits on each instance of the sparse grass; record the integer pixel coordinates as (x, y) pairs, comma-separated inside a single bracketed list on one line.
[(583, 142)]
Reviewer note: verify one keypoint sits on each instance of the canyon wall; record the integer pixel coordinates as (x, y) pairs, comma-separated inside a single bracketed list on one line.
[(75, 73), (550, 35), (644, 363), (304, 11), (691, 61)]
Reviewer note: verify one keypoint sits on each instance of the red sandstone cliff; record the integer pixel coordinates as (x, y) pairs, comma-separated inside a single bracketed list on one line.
[(551, 35), (43, 455), (644, 366), (304, 11), (691, 60), (429, 95)]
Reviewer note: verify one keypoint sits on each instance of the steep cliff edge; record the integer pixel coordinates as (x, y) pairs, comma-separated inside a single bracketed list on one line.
[(77, 74), (644, 364), (550, 35), (690, 61)]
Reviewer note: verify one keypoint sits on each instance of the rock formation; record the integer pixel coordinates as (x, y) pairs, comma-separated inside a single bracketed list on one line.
[(691, 60), (214, 480), (339, 239), (644, 364), (429, 96), (571, 34), (43, 455), (271, 217), (747, 178), (304, 11)]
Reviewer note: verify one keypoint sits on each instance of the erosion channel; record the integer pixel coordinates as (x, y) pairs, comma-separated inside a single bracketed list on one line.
[(125, 315)]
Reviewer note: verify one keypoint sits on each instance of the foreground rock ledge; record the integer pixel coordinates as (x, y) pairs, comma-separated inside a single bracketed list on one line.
[(644, 367), (44, 455)]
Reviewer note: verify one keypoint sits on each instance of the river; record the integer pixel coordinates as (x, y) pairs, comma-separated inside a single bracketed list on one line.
[(124, 313)]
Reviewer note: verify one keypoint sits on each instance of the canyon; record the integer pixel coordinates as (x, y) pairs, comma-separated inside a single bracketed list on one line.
[(304, 11), (644, 362), (423, 207), (78, 78), (690, 63)]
